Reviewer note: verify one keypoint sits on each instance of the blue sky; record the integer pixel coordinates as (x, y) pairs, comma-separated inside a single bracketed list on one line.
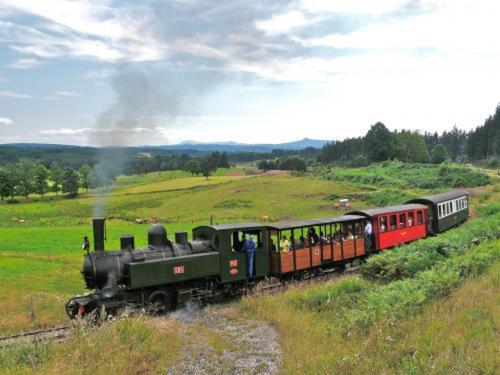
[(101, 72)]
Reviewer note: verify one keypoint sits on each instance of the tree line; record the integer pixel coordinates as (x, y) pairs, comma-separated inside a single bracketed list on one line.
[(24, 177), (380, 144), (288, 163)]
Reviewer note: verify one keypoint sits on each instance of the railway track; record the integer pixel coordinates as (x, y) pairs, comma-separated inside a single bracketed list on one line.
[(54, 333)]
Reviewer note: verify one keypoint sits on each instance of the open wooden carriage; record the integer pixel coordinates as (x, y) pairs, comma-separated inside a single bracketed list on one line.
[(314, 243)]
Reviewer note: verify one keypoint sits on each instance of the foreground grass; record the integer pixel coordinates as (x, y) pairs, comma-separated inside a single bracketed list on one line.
[(131, 346), (455, 333)]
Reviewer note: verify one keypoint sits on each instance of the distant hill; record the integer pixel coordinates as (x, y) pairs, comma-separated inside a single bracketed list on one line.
[(243, 147), (192, 146)]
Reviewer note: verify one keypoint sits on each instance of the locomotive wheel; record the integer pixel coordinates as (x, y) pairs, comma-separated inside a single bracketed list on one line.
[(160, 302)]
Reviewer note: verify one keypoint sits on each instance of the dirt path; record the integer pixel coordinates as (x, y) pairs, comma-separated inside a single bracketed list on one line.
[(219, 341)]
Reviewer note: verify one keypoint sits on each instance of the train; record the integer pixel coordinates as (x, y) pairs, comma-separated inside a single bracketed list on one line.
[(166, 274)]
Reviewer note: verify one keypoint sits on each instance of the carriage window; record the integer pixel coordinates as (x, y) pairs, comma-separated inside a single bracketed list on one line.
[(450, 208), (459, 204), (383, 224), (411, 219), (402, 220), (393, 222), (440, 209), (420, 217)]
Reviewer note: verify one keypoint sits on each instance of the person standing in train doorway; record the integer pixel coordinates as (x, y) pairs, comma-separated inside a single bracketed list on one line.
[(249, 246), (368, 235)]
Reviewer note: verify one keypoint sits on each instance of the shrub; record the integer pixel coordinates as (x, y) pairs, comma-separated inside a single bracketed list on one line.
[(406, 261)]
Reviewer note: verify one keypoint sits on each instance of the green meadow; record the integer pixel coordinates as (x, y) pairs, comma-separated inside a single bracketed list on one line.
[(41, 259)]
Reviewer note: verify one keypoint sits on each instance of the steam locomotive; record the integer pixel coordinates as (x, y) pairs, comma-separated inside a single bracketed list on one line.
[(165, 274)]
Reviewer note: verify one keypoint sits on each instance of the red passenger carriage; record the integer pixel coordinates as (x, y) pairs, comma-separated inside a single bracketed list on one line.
[(392, 226)]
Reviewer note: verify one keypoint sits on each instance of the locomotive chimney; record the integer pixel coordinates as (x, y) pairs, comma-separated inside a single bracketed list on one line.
[(181, 237), (98, 225)]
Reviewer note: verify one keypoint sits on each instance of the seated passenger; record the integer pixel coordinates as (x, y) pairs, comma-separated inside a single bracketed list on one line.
[(322, 239), (314, 238), (293, 242), (410, 221), (382, 227), (302, 242), (284, 245), (350, 236)]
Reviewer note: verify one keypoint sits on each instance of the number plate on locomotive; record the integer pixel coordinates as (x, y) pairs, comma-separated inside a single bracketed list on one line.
[(178, 269)]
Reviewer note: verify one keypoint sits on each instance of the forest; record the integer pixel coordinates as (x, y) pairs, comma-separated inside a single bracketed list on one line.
[(480, 146)]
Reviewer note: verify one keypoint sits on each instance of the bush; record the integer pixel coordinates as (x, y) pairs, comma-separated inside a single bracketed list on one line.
[(406, 261), (404, 175)]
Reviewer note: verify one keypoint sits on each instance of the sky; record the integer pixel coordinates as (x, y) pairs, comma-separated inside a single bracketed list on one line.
[(102, 72)]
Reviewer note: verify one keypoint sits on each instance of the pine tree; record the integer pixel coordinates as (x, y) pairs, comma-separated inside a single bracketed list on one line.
[(439, 154)]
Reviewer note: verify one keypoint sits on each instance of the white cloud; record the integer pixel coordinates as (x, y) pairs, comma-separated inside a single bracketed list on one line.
[(284, 23), (67, 93), (5, 121), (450, 28), (351, 7), (99, 73), (82, 28), (24, 64), (14, 95)]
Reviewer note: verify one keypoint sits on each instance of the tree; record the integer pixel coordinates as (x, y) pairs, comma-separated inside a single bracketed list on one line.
[(56, 174), (380, 143), (208, 165), (439, 154), (84, 176), (224, 160), (40, 184), (7, 187), (193, 166), (292, 163), (411, 147), (25, 173), (70, 182)]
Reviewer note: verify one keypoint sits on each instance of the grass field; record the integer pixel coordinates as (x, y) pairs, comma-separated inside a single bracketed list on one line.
[(41, 260)]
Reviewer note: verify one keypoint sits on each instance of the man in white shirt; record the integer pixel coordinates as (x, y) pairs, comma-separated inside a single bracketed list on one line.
[(368, 235)]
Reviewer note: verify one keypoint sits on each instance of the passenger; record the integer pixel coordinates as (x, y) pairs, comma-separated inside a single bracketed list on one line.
[(86, 244), (302, 242), (273, 246), (322, 239), (368, 235), (350, 236), (382, 225), (314, 237), (410, 221), (249, 247), (293, 242), (284, 245)]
